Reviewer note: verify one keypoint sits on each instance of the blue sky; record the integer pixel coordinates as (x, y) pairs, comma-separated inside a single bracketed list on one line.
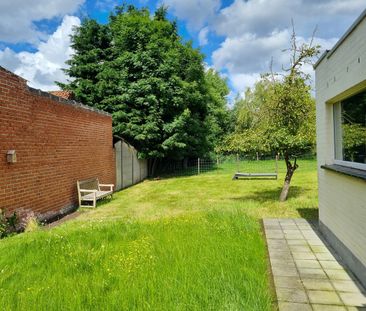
[(238, 37)]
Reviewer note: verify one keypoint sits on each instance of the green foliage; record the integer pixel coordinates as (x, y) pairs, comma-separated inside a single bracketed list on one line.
[(354, 135), (275, 116), (92, 45), (137, 68), (218, 119), (283, 118), (18, 221), (278, 115), (8, 223)]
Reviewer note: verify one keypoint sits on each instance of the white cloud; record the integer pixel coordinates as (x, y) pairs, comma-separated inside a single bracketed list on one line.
[(241, 81), (246, 57), (17, 17), (255, 31), (43, 67), (195, 12), (263, 16), (250, 53), (202, 36)]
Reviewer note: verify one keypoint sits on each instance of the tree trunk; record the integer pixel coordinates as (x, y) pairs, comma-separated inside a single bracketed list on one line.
[(290, 172), (152, 167), (185, 163)]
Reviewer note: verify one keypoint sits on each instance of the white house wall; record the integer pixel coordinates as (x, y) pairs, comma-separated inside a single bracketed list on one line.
[(342, 199)]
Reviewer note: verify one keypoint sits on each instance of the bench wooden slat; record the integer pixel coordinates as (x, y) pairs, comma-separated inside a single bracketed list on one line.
[(98, 195), (89, 190), (237, 175)]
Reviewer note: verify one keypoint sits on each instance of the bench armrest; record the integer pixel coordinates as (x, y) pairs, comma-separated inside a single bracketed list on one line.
[(107, 185)]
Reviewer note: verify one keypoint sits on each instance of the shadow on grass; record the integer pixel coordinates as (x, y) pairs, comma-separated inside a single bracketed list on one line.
[(270, 195), (311, 213), (164, 176)]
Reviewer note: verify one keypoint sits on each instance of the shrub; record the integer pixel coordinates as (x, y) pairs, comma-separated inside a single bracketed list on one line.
[(7, 223), (19, 221)]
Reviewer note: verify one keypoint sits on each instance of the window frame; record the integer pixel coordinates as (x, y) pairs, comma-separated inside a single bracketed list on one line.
[(336, 123)]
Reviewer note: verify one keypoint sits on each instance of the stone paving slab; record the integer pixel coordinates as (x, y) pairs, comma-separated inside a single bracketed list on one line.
[(307, 274)]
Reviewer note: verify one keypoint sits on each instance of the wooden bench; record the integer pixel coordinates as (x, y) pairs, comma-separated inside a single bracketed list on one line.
[(90, 190)]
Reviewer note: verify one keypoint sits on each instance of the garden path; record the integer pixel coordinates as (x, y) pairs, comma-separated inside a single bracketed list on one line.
[(307, 273)]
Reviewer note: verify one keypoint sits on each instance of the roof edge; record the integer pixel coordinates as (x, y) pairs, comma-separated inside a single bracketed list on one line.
[(342, 39)]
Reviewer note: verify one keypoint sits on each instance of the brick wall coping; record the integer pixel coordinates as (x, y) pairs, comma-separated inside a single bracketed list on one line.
[(67, 101), (54, 97)]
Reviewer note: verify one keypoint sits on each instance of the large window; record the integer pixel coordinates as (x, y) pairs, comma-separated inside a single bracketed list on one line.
[(350, 130)]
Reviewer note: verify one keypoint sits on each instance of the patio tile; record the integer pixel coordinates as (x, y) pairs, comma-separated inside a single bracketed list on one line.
[(347, 286), (330, 264), (293, 236), (291, 231), (317, 284), (291, 295), (288, 282), (334, 274), (284, 271), (319, 249), (276, 242), (307, 264), (309, 234), (303, 255), (307, 275), (283, 263), (324, 297), (328, 308), (271, 232), (275, 236), (300, 248), (286, 221), (289, 225), (281, 255), (315, 242), (304, 227), (273, 227), (310, 273), (278, 248), (353, 299), (301, 221), (325, 256), (297, 242), (290, 306)]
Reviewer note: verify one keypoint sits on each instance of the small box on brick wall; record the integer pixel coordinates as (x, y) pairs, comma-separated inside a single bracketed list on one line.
[(11, 156)]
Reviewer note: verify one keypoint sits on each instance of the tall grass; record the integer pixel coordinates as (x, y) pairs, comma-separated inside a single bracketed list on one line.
[(189, 243), (209, 261)]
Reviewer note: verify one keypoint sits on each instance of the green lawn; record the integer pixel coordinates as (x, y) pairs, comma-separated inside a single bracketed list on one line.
[(188, 243)]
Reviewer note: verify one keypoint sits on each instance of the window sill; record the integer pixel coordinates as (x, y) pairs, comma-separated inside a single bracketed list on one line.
[(354, 172)]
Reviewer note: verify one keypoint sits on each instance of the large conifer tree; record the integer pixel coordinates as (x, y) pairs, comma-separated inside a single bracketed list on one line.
[(138, 69)]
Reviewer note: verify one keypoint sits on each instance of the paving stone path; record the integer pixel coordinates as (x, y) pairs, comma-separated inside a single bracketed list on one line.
[(307, 274)]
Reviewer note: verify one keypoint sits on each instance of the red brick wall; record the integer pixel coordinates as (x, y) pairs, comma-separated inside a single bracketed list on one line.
[(57, 142)]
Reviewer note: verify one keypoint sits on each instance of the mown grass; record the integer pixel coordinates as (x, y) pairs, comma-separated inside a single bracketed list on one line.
[(190, 243)]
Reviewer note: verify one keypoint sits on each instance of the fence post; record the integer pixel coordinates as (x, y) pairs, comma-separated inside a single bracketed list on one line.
[(277, 164), (257, 156), (198, 166), (237, 162)]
